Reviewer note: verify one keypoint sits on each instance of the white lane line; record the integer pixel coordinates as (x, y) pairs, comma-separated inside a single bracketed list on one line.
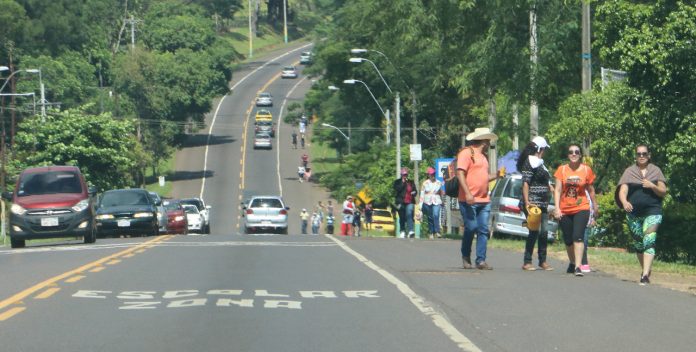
[(421, 303), (280, 120), (217, 109)]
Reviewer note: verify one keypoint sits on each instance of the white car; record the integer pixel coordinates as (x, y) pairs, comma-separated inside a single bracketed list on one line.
[(203, 209), (194, 217), (288, 72), (265, 213), (264, 99), (306, 58)]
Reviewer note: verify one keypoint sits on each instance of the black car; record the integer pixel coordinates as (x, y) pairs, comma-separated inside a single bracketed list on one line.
[(126, 212)]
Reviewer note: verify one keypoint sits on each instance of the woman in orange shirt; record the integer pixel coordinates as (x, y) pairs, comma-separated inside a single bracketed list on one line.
[(573, 205)]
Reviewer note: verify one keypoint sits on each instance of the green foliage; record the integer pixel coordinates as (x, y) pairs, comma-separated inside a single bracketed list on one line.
[(676, 236), (103, 148), (611, 229), (681, 156)]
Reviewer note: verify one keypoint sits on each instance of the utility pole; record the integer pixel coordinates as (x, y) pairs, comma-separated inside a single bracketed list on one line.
[(285, 20), (388, 126), (132, 21), (349, 138), (515, 127), (533, 48), (586, 58), (251, 35), (415, 136), (492, 121), (397, 135)]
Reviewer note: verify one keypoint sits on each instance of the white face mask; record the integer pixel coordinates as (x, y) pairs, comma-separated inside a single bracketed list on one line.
[(535, 161)]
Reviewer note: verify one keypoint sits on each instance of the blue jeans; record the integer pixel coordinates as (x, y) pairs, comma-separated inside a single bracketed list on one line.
[(406, 217), (432, 212), (475, 222)]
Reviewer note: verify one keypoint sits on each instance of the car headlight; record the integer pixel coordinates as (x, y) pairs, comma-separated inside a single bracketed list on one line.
[(104, 216), (16, 209), (81, 205), (142, 215), (179, 218)]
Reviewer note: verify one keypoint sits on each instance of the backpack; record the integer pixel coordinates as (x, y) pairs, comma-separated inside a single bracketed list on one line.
[(452, 182)]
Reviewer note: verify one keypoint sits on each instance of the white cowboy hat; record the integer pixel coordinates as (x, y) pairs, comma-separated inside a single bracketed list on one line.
[(482, 133)]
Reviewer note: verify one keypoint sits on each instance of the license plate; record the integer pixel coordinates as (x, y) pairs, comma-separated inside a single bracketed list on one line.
[(265, 222), (49, 221), (123, 223)]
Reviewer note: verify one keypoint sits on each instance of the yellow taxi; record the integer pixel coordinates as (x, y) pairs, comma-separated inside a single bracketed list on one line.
[(382, 219), (263, 115)]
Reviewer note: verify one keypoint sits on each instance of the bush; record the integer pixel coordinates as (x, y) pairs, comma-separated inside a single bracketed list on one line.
[(611, 224), (676, 236)]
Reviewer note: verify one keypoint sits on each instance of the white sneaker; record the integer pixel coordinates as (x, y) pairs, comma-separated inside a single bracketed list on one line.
[(411, 234), (402, 234)]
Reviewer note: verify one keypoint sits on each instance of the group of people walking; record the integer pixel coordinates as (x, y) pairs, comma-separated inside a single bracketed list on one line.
[(639, 192)]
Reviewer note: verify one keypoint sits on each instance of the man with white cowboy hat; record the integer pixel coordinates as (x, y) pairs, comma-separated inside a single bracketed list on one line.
[(474, 202)]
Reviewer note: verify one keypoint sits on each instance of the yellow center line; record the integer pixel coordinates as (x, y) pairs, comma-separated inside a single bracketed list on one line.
[(11, 312), (48, 293), (129, 255), (114, 261), (31, 290), (97, 269), (75, 278)]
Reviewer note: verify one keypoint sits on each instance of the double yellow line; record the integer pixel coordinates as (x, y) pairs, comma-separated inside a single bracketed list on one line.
[(51, 285)]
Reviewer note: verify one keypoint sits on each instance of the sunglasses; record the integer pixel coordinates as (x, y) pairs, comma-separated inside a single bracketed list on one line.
[(574, 152), (642, 154)]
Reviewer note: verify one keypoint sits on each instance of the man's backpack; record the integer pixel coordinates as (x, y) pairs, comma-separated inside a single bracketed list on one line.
[(452, 182)]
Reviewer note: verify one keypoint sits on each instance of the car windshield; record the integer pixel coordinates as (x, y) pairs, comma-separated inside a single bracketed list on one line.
[(51, 182), (264, 95), (289, 68), (110, 199), (305, 53), (195, 202), (266, 203), (383, 213), (265, 123), (171, 206), (190, 209), (263, 112)]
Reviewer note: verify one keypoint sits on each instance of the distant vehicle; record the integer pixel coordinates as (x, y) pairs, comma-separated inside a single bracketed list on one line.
[(263, 140), (264, 99), (288, 72), (506, 216), (265, 127), (194, 218), (383, 219), (127, 212), (51, 202), (306, 58), (177, 222), (264, 115), (265, 213), (203, 209), (161, 213)]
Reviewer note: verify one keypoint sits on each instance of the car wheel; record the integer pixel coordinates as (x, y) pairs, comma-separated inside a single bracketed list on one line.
[(206, 230), (284, 231), (90, 237), (16, 243), (248, 230)]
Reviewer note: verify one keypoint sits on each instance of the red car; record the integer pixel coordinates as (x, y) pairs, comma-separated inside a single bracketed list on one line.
[(176, 217)]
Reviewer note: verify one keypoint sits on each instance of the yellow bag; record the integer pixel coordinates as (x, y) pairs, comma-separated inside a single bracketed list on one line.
[(533, 218)]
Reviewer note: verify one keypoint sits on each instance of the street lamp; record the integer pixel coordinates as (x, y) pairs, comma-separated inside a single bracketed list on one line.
[(341, 132), (386, 114), (360, 59), (333, 88)]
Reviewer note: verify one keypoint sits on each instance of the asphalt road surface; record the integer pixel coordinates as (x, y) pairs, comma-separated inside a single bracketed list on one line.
[(229, 291)]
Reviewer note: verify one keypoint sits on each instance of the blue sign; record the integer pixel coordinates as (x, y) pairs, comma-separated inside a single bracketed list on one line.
[(441, 165)]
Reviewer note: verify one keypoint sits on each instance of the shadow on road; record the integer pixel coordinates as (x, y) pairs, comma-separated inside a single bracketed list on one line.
[(190, 175), (199, 140)]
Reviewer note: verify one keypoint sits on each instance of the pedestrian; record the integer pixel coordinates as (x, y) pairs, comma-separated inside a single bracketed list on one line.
[(431, 202), (294, 139), (316, 222), (356, 223), (308, 174), (304, 219), (585, 264), (573, 205), (536, 192), (348, 209), (368, 216), (474, 202), (301, 173), (405, 199), (330, 224), (330, 207), (304, 159), (303, 126), (640, 193)]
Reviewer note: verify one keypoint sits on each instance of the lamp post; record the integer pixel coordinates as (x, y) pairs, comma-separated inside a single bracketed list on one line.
[(285, 20), (385, 114), (341, 132)]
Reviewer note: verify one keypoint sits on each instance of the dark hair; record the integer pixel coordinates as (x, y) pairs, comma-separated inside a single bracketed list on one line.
[(528, 150), (643, 145), (576, 145)]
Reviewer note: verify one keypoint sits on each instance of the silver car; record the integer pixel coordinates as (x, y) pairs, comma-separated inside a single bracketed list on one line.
[(506, 216), (288, 72), (265, 213), (194, 218), (263, 140), (264, 99), (203, 209), (161, 213)]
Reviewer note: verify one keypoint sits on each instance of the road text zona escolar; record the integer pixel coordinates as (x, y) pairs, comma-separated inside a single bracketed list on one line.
[(137, 300)]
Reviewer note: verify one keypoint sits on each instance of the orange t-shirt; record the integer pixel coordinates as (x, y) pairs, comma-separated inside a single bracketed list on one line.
[(476, 175), (575, 182)]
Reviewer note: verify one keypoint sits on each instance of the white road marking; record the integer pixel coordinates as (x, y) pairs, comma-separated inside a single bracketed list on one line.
[(421, 303), (280, 120), (217, 109)]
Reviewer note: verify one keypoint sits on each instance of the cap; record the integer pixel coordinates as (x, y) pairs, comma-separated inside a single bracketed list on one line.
[(304, 209), (349, 197), (540, 142), (431, 171), (404, 171)]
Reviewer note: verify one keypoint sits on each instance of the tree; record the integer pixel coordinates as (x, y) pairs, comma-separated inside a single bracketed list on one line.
[(101, 146)]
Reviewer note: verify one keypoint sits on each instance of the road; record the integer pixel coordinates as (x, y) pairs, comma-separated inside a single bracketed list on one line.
[(228, 291)]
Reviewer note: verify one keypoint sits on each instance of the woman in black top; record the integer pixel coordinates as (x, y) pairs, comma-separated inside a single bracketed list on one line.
[(640, 192), (536, 189)]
